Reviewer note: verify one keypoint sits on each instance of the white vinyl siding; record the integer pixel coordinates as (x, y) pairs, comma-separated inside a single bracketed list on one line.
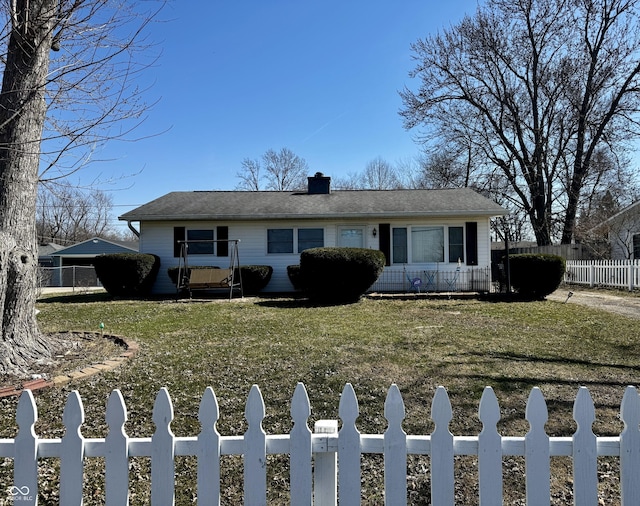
[(157, 238)]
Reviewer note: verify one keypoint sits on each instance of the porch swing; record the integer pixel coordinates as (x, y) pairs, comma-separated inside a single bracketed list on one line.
[(209, 278)]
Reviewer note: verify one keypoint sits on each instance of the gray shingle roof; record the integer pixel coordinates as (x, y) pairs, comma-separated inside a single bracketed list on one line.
[(243, 205)]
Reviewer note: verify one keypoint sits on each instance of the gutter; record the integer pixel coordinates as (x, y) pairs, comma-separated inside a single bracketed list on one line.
[(133, 229)]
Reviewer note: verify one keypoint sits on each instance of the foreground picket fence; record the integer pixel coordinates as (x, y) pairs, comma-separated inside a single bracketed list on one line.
[(325, 467), (605, 273)]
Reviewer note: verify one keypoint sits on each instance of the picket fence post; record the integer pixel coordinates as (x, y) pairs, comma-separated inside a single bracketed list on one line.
[(536, 443), (630, 448), (25, 460), (395, 450), (325, 475), (300, 449), (116, 452), (442, 485), (585, 450), (348, 449), (162, 452), (489, 450), (255, 451), (208, 450), (72, 452)]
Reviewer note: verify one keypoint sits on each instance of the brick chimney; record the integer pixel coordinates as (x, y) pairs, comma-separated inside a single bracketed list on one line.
[(319, 184)]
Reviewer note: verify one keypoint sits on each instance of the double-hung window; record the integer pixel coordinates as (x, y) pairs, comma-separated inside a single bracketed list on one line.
[(200, 242), (280, 240), (290, 240), (310, 238)]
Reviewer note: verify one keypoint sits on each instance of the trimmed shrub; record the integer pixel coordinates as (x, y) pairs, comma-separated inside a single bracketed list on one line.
[(127, 274), (339, 274), (535, 276), (293, 272), (254, 277)]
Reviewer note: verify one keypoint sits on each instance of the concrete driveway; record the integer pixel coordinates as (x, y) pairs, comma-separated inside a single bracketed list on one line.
[(626, 305)]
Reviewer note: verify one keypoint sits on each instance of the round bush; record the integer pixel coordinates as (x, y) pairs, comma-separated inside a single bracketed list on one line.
[(535, 276), (254, 277), (293, 272), (339, 274), (127, 274)]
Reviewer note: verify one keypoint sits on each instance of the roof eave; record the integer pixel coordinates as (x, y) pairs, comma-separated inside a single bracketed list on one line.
[(296, 216)]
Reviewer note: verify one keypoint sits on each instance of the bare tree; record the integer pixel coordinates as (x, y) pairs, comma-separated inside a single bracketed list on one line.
[(51, 103), (279, 170), (542, 88), (285, 170), (249, 175), (378, 174), (67, 214)]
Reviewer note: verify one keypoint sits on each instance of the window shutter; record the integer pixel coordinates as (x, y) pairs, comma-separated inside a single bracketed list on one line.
[(471, 228), (222, 234), (178, 235), (384, 229)]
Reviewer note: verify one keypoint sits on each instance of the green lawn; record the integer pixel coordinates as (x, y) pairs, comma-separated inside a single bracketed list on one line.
[(417, 343)]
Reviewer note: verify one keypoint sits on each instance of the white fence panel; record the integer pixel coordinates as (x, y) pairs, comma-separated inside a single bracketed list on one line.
[(605, 273), (313, 455)]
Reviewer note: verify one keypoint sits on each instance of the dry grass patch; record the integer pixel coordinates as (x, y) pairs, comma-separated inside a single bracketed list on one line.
[(418, 344)]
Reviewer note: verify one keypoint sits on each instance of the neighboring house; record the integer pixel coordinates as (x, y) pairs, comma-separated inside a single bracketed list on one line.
[(73, 265), (623, 233), (416, 229), (46, 252)]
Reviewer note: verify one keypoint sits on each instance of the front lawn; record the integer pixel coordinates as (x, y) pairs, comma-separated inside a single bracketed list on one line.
[(418, 344)]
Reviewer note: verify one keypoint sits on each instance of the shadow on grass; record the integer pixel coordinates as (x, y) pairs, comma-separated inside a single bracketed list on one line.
[(300, 302), (518, 357), (76, 298)]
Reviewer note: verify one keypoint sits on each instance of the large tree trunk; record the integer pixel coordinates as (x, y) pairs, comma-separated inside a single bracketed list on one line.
[(22, 115)]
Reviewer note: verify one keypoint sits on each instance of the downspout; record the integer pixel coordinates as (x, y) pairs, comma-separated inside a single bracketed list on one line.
[(132, 228)]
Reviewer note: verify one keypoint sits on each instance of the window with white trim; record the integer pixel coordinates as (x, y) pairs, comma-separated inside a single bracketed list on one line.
[(287, 240), (427, 244)]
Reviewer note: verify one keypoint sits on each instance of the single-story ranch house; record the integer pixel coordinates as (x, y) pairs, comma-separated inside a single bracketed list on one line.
[(432, 239)]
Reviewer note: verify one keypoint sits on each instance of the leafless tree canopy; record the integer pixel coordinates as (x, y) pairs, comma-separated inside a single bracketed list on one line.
[(277, 170), (70, 72), (67, 215), (378, 174), (543, 94)]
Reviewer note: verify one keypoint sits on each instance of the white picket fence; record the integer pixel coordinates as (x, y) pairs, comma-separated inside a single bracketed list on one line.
[(605, 273), (325, 466)]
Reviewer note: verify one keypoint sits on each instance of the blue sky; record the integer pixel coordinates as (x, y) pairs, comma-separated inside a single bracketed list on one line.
[(236, 78)]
